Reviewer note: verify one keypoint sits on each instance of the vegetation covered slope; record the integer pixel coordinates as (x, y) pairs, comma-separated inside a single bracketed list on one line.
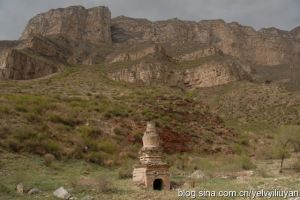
[(80, 113)]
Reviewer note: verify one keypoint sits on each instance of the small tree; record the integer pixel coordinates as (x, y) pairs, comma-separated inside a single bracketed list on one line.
[(287, 142)]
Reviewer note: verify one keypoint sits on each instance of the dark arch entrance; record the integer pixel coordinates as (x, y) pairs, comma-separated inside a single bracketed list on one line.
[(157, 184)]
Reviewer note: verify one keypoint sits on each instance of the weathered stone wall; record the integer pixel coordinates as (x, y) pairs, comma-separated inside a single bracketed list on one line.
[(139, 175), (158, 173)]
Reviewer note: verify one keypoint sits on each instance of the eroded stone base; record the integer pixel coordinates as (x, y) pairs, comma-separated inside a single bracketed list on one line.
[(153, 177)]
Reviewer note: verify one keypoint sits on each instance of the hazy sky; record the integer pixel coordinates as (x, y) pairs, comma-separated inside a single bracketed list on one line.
[(283, 14)]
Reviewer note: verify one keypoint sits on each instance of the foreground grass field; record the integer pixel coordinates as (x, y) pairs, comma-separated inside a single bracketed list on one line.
[(81, 179)]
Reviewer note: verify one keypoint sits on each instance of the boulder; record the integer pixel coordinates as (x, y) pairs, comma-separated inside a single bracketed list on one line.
[(198, 174), (62, 193), (34, 191), (88, 197), (20, 188)]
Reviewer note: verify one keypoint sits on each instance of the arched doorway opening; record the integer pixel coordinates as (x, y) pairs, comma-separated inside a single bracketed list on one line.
[(157, 184)]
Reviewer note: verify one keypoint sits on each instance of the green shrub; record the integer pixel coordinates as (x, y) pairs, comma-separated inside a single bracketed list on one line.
[(4, 189), (150, 115), (243, 139), (246, 163), (137, 136), (21, 108), (14, 145), (122, 130), (88, 131), (117, 112), (77, 152), (108, 115), (265, 153), (263, 173), (118, 131), (41, 106), (107, 146), (208, 137), (35, 104), (32, 117), (5, 109), (48, 159), (91, 143), (104, 185), (51, 146), (66, 121), (296, 165), (278, 153), (25, 134), (34, 146), (56, 119), (79, 104), (238, 149), (125, 173), (96, 157)]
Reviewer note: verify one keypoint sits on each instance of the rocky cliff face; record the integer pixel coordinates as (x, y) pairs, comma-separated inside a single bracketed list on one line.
[(29, 59), (193, 71), (206, 75), (265, 47), (214, 73), (3, 55), (55, 39), (199, 53), (74, 22), (296, 33), (20, 64), (136, 52), (146, 51)]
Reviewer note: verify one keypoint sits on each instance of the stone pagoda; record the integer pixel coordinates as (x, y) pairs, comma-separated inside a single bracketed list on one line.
[(151, 171)]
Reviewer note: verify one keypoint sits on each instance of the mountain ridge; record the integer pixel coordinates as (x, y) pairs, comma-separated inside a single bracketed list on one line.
[(91, 36)]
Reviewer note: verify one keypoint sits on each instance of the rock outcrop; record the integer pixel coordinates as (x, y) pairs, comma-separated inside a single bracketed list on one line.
[(200, 53), (265, 47), (159, 71), (34, 58), (147, 51), (143, 72), (214, 73), (137, 52), (296, 33), (21, 64), (74, 22)]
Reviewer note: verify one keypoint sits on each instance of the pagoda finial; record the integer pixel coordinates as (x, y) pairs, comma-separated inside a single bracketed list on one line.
[(150, 127), (151, 138)]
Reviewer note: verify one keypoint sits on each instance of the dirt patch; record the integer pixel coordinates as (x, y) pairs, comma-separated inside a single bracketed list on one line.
[(175, 142)]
